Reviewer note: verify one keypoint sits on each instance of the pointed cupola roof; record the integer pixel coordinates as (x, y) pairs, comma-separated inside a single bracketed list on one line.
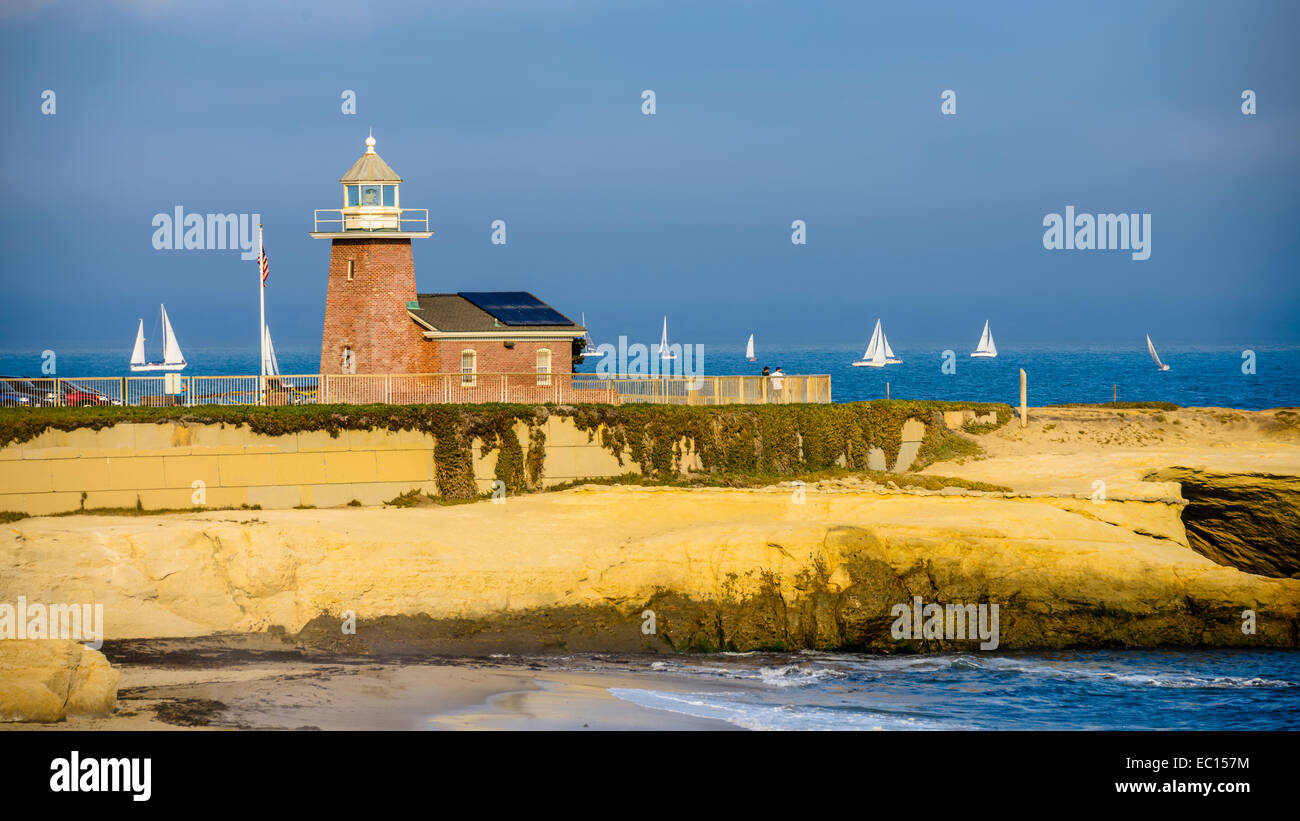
[(370, 168)]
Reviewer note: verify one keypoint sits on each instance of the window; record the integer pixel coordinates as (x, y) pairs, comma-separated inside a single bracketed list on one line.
[(354, 195), (468, 368), (390, 195), (543, 366), (370, 195), (351, 263), (349, 361)]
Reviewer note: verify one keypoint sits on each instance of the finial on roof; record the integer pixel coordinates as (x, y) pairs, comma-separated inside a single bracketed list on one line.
[(370, 142)]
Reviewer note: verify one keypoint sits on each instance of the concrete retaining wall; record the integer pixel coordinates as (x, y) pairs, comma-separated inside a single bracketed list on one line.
[(159, 466)]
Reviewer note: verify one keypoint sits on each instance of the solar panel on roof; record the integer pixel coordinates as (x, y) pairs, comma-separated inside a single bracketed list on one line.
[(516, 307)]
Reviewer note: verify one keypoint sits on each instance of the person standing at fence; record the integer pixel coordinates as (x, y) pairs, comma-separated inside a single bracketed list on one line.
[(766, 371), (778, 384)]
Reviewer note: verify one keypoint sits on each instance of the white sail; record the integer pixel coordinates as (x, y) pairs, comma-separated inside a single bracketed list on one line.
[(171, 350), (272, 366), (986, 348), (875, 356), (886, 352), (873, 347), (664, 352), (1151, 349), (137, 353), (590, 349), (749, 349)]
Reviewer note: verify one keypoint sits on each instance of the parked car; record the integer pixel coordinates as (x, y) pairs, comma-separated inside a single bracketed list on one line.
[(10, 398), (74, 395), (36, 396)]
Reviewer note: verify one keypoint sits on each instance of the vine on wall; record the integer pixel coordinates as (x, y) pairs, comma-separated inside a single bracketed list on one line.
[(752, 440)]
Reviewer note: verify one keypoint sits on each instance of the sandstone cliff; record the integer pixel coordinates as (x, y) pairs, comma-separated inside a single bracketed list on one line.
[(49, 679), (742, 569)]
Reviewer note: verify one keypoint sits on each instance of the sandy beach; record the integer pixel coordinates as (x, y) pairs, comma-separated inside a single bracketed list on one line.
[(365, 694)]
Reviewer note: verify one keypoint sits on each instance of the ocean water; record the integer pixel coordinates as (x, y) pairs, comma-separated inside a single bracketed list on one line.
[(1197, 377), (1102, 690)]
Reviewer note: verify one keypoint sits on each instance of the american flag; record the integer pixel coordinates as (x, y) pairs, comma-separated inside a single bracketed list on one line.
[(265, 263)]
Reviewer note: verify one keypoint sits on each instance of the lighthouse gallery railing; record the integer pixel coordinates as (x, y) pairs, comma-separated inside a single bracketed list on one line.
[(404, 220)]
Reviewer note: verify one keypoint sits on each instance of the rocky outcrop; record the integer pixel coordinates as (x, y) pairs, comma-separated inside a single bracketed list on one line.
[(47, 680), (1250, 521), (656, 569)]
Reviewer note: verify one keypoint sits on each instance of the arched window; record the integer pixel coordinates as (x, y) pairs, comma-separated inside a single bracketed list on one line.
[(468, 368), (544, 366)]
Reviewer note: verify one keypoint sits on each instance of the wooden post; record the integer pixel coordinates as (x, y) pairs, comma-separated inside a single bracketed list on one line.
[(886, 390), (1114, 394), (1024, 403)]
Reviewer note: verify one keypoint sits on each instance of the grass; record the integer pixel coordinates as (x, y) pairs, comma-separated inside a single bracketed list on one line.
[(1163, 406), (947, 448), (902, 480), (410, 498), (7, 516)]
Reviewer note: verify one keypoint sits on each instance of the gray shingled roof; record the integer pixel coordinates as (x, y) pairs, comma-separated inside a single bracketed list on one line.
[(453, 313), (370, 168)]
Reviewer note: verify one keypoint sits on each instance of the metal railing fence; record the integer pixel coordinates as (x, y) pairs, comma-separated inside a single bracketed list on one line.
[(411, 389)]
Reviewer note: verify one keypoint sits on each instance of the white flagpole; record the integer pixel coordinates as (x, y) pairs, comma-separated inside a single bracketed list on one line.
[(261, 300)]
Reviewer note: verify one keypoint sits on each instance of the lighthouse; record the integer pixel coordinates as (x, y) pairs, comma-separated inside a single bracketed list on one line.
[(371, 283), (376, 322)]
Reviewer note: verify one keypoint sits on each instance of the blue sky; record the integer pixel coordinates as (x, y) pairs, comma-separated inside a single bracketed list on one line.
[(530, 112)]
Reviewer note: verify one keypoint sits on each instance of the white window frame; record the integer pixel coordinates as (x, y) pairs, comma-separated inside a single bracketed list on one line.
[(469, 379), (543, 376)]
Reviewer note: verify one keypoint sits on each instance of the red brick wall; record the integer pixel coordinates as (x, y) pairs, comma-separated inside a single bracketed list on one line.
[(495, 357), (368, 313)]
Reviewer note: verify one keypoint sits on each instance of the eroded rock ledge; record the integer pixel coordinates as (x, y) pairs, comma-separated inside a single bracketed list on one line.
[(1250, 521), (729, 569)]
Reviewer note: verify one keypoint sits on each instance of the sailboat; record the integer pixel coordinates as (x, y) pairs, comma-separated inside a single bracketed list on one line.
[(589, 349), (173, 359), (1152, 350), (272, 367), (749, 350), (664, 353), (986, 349), (878, 353)]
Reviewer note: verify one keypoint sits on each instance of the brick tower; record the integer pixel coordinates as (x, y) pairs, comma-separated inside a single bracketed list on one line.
[(371, 282)]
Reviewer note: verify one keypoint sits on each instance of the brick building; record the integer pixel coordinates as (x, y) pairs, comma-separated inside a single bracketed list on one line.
[(376, 321)]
